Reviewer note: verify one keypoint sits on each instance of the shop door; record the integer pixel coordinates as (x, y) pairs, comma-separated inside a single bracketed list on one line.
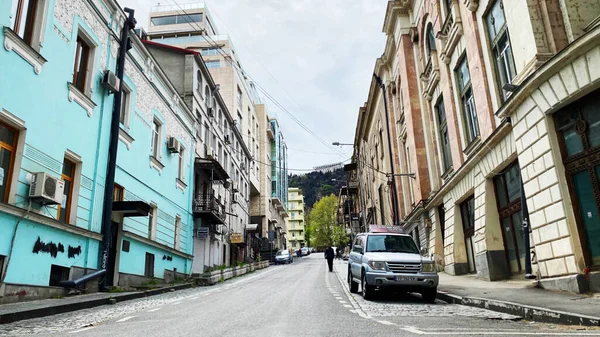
[(508, 199), (467, 212), (578, 126)]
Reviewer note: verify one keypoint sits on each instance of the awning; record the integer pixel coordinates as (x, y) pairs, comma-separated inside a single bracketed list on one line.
[(252, 227), (131, 208)]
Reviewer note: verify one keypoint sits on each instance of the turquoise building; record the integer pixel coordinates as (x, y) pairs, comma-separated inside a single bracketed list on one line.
[(55, 118)]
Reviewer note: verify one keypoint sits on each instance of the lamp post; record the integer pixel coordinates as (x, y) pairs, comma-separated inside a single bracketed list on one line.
[(387, 123)]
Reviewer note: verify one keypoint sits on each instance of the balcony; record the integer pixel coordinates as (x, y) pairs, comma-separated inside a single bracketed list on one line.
[(209, 208), (430, 76), (213, 167), (271, 133), (450, 33)]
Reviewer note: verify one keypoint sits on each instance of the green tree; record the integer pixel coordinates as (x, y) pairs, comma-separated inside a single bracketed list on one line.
[(322, 221)]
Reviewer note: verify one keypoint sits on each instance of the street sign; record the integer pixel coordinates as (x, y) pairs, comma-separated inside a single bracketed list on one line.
[(202, 232), (237, 238)]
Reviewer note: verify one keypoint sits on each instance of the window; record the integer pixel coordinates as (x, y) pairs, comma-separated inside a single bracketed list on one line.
[(152, 223), (8, 145), (24, 14), (125, 106), (207, 96), (58, 274), (156, 133), (213, 64), (81, 66), (220, 118), (118, 193), (239, 95), (181, 162), (207, 134), (68, 175), (468, 102), (440, 111), (430, 40), (209, 51), (391, 244), (442, 215), (500, 45), (177, 232), (199, 82), (176, 19), (149, 266), (293, 234)]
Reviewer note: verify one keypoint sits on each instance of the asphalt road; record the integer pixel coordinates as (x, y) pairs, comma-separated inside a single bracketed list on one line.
[(301, 299)]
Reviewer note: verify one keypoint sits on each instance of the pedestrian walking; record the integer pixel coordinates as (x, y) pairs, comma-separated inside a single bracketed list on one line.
[(330, 255)]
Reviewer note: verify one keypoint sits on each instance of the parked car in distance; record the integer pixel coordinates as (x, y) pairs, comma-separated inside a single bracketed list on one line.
[(305, 251), (387, 257), (283, 257)]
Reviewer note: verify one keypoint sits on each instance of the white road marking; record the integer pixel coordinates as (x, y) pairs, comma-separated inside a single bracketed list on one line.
[(175, 303), (82, 330), (343, 302), (125, 319), (385, 323), (348, 306), (480, 332), (153, 310), (193, 297)]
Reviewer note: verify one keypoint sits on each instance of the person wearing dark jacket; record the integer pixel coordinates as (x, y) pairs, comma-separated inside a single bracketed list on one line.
[(329, 255)]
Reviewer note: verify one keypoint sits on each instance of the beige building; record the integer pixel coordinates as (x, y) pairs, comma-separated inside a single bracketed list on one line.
[(491, 106), (191, 27), (295, 222)]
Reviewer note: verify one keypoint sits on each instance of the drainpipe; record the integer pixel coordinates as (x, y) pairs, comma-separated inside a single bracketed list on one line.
[(106, 251), (525, 215), (389, 137)]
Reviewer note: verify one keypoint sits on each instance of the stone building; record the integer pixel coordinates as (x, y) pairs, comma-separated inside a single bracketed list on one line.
[(491, 106)]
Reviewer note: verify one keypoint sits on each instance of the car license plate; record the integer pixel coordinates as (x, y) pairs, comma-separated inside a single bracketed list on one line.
[(405, 278)]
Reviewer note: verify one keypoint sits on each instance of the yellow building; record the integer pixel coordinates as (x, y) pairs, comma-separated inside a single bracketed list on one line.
[(295, 222)]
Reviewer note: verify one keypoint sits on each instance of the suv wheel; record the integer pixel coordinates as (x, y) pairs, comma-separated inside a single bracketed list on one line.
[(367, 290), (351, 284), (429, 295)]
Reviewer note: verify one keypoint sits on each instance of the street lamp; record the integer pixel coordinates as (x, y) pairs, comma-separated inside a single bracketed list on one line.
[(341, 144)]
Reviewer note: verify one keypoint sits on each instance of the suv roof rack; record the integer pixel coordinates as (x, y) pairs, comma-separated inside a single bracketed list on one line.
[(386, 229)]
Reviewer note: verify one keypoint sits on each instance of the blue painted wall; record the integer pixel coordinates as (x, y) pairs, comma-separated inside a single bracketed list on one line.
[(54, 125)]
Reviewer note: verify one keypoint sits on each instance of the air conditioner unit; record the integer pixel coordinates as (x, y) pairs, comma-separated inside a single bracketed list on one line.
[(46, 189), (234, 199), (210, 153), (110, 81), (211, 112), (173, 145), (227, 140), (235, 188)]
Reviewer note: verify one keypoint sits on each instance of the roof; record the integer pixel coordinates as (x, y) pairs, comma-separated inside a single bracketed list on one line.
[(166, 46)]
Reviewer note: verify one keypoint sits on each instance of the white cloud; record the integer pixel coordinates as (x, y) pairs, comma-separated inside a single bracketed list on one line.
[(321, 53)]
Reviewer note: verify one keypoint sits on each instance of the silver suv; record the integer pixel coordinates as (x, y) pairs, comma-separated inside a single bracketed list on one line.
[(387, 257)]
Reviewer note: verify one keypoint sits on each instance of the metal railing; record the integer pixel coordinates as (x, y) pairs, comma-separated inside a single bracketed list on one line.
[(447, 26), (209, 204)]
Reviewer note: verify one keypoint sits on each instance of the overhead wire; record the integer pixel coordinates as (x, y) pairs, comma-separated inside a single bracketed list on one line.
[(228, 59)]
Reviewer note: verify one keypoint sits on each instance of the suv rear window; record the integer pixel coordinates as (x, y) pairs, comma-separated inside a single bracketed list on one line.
[(391, 244)]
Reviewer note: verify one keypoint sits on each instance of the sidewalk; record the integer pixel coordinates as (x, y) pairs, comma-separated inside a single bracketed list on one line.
[(521, 298), (32, 309)]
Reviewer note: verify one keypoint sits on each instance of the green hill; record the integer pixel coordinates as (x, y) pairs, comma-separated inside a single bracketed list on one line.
[(315, 185)]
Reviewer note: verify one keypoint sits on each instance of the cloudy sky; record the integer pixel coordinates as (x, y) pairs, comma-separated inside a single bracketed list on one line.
[(315, 57)]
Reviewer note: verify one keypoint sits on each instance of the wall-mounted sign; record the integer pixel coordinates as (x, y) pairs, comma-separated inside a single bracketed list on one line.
[(202, 232), (237, 238)]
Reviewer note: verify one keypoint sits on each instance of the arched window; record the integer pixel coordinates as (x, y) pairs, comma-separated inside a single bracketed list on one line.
[(430, 40), (207, 99), (199, 82)]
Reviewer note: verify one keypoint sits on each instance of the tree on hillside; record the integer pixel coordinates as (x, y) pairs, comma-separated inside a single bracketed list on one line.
[(316, 185), (322, 221)]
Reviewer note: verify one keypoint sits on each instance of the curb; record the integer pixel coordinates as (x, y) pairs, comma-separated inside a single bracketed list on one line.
[(63, 308), (522, 310)]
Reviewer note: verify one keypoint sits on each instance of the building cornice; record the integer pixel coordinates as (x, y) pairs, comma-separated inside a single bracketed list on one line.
[(395, 8)]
